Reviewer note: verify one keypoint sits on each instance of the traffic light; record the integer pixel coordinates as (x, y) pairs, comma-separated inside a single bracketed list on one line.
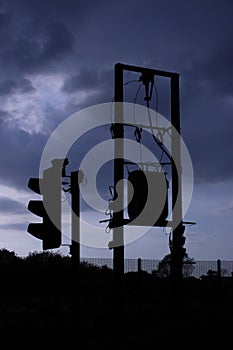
[(49, 208)]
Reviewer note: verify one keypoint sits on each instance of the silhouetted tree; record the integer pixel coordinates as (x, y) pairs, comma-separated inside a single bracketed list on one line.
[(43, 257), (211, 273), (163, 269), (7, 256)]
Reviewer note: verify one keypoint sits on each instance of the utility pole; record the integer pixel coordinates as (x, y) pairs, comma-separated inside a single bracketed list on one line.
[(118, 135), (178, 228)]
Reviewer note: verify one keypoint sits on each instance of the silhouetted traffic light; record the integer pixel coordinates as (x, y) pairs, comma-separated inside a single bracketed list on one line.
[(49, 208)]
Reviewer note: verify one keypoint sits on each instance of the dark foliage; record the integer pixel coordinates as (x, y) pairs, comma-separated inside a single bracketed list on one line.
[(163, 269), (43, 294)]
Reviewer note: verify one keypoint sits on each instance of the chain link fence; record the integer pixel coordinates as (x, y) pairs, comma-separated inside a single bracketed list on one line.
[(200, 267)]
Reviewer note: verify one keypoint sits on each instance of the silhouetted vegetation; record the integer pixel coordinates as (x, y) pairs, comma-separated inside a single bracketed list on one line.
[(37, 294), (163, 269)]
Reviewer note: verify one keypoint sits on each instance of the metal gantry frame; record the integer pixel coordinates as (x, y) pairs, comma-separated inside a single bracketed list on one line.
[(177, 224)]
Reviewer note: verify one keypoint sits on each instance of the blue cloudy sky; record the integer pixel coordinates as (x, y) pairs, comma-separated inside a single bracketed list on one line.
[(57, 57)]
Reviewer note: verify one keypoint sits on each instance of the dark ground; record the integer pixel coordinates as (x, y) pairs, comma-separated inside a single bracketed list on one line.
[(44, 307)]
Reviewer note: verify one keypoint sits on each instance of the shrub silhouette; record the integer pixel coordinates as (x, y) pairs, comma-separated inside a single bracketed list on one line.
[(163, 269)]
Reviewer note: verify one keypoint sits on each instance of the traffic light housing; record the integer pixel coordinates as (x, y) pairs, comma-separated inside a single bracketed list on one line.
[(49, 208)]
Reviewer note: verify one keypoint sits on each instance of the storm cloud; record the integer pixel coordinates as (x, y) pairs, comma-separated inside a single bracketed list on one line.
[(58, 57)]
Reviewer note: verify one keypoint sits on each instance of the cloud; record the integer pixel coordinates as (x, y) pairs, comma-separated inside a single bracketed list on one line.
[(8, 205), (38, 50), (20, 156), (87, 79), (57, 57), (16, 227), (10, 86), (32, 42), (94, 82), (211, 72)]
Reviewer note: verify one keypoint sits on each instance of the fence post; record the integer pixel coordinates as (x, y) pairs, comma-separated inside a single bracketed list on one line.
[(139, 265), (219, 268)]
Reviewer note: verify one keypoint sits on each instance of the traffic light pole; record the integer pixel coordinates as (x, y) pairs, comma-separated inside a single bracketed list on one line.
[(75, 248), (75, 220)]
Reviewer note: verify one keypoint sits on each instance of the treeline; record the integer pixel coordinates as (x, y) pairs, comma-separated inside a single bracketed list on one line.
[(42, 273), (40, 261), (45, 272)]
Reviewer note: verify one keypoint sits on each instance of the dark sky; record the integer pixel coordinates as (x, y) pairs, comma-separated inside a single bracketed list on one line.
[(57, 57)]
